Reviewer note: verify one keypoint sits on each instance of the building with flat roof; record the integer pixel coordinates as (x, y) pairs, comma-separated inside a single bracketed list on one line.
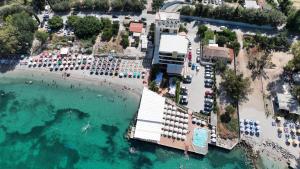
[(162, 122), (150, 117), (251, 4), (172, 52), (215, 53), (288, 103)]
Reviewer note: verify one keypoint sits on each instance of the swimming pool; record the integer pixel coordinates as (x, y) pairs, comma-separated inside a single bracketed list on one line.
[(200, 137)]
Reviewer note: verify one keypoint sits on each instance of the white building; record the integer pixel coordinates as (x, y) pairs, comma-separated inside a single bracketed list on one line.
[(166, 22), (171, 52), (150, 117)]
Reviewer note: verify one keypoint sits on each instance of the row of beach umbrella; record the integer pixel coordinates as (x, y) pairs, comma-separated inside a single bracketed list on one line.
[(199, 122), (174, 135)]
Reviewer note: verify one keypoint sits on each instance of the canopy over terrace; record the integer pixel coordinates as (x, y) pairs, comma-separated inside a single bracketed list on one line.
[(150, 117)]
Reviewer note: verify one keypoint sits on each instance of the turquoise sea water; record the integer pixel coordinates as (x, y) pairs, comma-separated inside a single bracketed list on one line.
[(41, 127)]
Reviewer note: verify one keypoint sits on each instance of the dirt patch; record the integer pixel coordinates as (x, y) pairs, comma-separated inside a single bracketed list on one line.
[(225, 130), (101, 47)]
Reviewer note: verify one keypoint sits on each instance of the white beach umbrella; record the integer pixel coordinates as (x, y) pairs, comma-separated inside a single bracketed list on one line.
[(176, 124), (180, 130), (247, 125), (242, 129), (177, 113), (71, 66), (257, 127), (172, 123), (257, 122), (181, 114), (170, 133), (168, 117), (280, 129), (199, 121), (186, 115), (278, 118), (251, 122), (213, 127), (247, 120), (213, 131), (169, 112), (181, 125), (173, 117), (183, 137), (258, 131), (203, 123), (181, 119), (174, 108), (186, 120), (184, 131), (166, 127), (248, 130), (241, 123), (166, 106), (174, 113), (185, 126), (213, 135), (293, 130), (175, 129), (167, 122), (179, 136), (213, 140), (170, 107), (194, 120), (76, 66), (174, 135), (177, 118), (61, 66), (166, 133), (171, 128)]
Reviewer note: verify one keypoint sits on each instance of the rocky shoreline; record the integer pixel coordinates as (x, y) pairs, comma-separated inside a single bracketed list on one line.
[(274, 151)]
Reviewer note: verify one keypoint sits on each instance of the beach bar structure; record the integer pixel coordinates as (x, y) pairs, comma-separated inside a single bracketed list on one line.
[(162, 122)]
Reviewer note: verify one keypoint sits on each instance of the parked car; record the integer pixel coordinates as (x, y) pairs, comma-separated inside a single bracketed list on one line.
[(208, 109), (208, 66), (190, 48), (209, 96), (197, 68), (198, 51), (207, 104), (208, 76), (198, 59), (208, 81), (208, 92), (208, 100), (184, 100), (193, 66), (187, 79), (190, 64), (208, 85)]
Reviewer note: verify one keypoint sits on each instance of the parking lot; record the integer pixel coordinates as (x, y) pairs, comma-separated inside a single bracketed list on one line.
[(196, 89)]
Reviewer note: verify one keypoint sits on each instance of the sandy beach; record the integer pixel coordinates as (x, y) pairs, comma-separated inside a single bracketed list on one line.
[(77, 77)]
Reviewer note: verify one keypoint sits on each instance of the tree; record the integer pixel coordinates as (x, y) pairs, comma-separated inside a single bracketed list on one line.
[(55, 23), (241, 2), (296, 92), (222, 40), (182, 28), (220, 66), (201, 30), (156, 4), (87, 4), (60, 5), (42, 36), (87, 27), (293, 23), (133, 5), (235, 45), (117, 5), (236, 87), (153, 86), (115, 28), (102, 5), (16, 35), (229, 109), (106, 34), (38, 5), (72, 20), (124, 42), (286, 6)]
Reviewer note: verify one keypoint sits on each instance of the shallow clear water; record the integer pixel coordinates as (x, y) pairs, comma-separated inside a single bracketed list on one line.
[(42, 126)]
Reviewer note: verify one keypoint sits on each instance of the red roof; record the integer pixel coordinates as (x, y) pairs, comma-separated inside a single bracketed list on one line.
[(136, 27)]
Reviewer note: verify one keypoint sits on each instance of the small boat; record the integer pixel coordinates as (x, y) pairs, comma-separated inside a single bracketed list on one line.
[(86, 127), (28, 82), (132, 150)]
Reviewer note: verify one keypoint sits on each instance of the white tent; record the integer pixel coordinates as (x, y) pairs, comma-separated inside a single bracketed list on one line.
[(213, 140), (213, 135)]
